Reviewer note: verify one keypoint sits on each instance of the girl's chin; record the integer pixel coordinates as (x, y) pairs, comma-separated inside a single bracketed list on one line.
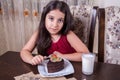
[(53, 33)]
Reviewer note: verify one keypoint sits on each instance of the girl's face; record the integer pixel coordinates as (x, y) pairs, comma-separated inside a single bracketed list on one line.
[(54, 21)]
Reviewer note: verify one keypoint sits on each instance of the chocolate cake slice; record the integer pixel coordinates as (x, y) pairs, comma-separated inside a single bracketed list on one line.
[(55, 64)]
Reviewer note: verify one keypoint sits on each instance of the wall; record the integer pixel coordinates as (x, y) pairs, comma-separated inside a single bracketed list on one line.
[(3, 45), (19, 19), (105, 3)]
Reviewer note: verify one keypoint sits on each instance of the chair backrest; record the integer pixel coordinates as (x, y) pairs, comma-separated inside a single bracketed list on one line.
[(86, 15), (101, 19), (109, 35)]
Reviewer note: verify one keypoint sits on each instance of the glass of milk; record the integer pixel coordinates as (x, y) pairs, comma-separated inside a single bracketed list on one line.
[(88, 60)]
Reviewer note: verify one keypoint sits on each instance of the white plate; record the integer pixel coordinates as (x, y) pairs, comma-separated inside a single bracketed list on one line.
[(68, 69)]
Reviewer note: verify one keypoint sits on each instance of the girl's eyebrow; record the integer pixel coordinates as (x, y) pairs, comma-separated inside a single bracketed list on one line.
[(50, 16), (62, 18)]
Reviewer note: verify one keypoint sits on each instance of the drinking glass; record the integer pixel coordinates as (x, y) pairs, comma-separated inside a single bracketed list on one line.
[(88, 60)]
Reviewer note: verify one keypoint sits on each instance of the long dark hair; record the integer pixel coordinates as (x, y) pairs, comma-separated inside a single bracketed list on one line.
[(44, 38)]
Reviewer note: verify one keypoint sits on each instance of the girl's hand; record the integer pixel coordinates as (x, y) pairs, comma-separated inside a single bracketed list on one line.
[(37, 60)]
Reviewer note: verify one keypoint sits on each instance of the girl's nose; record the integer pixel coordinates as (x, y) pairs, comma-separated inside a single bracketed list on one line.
[(55, 23)]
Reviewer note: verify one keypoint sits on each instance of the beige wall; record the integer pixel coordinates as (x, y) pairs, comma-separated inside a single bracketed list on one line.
[(16, 27), (105, 3), (3, 46)]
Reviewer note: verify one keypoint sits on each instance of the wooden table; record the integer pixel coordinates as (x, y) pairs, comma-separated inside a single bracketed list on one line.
[(11, 65)]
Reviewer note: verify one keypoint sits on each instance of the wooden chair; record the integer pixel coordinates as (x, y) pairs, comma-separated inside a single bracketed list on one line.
[(86, 15), (109, 35), (92, 28), (101, 19)]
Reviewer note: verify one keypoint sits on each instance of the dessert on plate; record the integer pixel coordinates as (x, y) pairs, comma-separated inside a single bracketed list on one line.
[(55, 64)]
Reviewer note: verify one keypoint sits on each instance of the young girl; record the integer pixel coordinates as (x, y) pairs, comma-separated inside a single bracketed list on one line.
[(54, 36)]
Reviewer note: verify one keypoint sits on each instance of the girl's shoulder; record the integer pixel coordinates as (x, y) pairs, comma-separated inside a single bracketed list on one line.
[(71, 37), (70, 34)]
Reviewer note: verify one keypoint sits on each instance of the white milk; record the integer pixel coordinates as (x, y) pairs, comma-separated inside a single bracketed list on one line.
[(88, 63)]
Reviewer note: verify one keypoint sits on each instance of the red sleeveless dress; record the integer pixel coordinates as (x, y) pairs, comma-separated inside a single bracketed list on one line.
[(62, 46)]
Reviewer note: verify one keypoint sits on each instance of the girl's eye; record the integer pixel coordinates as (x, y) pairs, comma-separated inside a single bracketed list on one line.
[(60, 20), (51, 18)]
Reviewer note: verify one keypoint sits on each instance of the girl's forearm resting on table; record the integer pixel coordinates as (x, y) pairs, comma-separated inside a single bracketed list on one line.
[(26, 56), (72, 56)]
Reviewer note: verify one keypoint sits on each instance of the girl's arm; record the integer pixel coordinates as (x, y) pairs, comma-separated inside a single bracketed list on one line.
[(78, 45), (26, 52)]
